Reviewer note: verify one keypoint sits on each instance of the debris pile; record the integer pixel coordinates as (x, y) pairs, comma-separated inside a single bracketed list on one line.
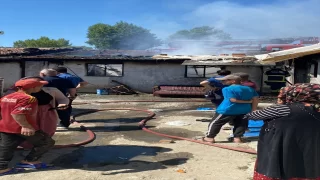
[(121, 89)]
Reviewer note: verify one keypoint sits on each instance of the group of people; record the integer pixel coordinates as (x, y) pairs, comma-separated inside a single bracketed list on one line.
[(289, 141), (288, 146), (234, 95), (31, 112)]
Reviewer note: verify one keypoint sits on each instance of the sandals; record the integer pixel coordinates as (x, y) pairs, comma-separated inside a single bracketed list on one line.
[(12, 171), (241, 141), (205, 141), (20, 168), (34, 166)]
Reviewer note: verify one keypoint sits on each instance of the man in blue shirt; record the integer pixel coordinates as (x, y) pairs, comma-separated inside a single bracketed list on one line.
[(215, 87), (77, 81), (66, 87), (238, 101)]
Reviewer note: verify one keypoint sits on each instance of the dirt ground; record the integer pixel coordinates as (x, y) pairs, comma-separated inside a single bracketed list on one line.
[(123, 151)]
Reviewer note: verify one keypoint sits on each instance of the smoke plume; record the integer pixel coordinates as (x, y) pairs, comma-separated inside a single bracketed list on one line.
[(273, 19)]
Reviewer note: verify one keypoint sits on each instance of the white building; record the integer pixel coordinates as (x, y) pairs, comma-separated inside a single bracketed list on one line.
[(141, 73)]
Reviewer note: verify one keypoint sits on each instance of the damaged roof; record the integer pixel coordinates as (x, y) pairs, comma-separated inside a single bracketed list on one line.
[(32, 51), (75, 54), (80, 54), (71, 52), (224, 59), (288, 54)]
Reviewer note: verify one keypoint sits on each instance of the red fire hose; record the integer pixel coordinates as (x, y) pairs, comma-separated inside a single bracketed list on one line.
[(142, 124)]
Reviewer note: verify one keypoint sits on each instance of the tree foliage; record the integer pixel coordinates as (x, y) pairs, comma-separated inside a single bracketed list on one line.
[(42, 42), (200, 33), (122, 35)]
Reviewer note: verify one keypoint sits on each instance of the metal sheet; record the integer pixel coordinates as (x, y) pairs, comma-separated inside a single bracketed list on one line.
[(288, 54)]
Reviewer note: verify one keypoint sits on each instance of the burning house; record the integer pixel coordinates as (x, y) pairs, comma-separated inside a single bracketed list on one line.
[(139, 70)]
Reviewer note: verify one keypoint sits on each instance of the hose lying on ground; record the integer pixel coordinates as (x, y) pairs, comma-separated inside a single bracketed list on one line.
[(142, 124)]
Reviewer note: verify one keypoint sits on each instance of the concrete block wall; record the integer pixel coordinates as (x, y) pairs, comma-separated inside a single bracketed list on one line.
[(10, 72), (34, 67), (256, 75), (141, 77)]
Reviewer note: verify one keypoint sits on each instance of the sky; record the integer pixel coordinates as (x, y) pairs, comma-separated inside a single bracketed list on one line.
[(243, 19)]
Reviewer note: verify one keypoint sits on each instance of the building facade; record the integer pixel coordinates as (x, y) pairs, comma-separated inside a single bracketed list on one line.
[(140, 73)]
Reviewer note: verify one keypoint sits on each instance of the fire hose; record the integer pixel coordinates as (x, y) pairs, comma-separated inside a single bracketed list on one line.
[(142, 125)]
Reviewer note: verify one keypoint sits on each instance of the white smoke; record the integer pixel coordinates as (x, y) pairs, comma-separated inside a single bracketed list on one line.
[(280, 19)]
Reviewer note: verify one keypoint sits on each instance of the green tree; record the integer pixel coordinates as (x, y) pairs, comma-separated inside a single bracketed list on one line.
[(122, 35), (200, 33), (42, 42)]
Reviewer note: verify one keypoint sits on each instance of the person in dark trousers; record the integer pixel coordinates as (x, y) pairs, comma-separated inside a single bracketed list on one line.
[(289, 140), (238, 101), (77, 81), (214, 87), (66, 87), (18, 124), (245, 82)]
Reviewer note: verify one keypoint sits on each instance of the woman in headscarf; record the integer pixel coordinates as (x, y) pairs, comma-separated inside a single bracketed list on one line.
[(289, 141), (49, 98)]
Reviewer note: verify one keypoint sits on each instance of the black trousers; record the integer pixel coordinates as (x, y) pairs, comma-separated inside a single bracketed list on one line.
[(64, 116), (218, 120), (41, 142)]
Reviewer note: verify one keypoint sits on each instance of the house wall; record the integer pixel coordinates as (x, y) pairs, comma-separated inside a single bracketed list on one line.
[(140, 77), (256, 75), (144, 77), (32, 68), (10, 72)]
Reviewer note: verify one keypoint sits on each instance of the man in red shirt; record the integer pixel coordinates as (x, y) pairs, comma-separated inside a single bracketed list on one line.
[(18, 124)]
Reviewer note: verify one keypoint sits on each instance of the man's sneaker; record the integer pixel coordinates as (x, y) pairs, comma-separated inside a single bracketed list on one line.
[(60, 127)]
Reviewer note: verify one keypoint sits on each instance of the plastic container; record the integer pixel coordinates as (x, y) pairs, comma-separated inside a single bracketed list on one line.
[(102, 92), (255, 124), (204, 109)]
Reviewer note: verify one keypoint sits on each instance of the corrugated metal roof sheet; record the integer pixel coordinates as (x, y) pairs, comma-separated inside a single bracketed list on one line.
[(288, 54)]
